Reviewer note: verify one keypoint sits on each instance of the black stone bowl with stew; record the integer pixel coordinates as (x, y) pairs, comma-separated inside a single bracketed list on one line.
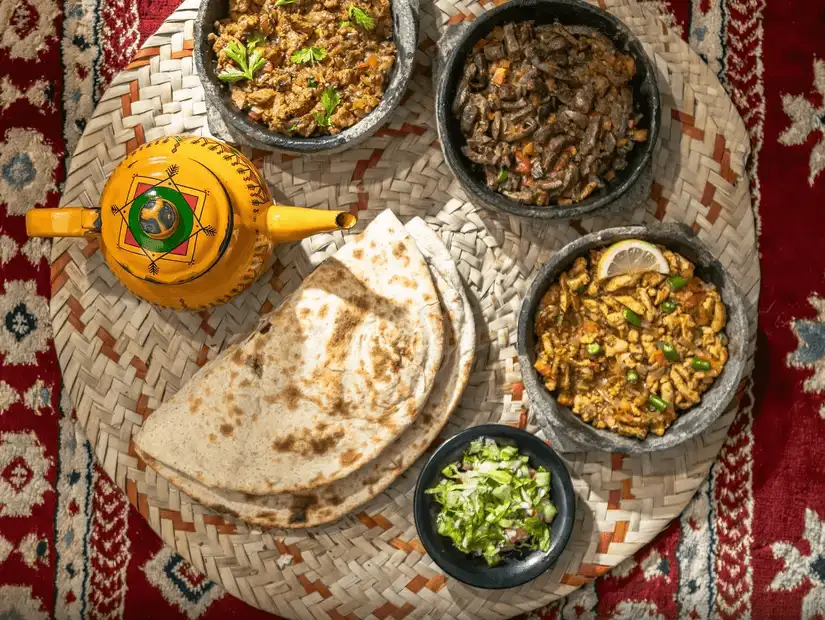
[(240, 127), (561, 420), (630, 187)]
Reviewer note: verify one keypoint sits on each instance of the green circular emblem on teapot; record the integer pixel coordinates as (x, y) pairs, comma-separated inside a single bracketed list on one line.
[(160, 219)]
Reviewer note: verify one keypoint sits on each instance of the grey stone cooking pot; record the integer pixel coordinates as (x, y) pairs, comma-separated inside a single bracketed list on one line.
[(631, 186), (229, 123), (564, 423)]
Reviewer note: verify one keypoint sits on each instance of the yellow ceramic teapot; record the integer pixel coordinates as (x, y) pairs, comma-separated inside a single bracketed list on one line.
[(186, 223)]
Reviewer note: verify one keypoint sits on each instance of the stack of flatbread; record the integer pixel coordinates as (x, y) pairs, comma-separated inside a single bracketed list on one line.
[(338, 391)]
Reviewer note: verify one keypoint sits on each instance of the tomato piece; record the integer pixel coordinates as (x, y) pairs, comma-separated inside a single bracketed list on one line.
[(590, 327), (694, 300), (659, 358), (522, 163), (499, 77)]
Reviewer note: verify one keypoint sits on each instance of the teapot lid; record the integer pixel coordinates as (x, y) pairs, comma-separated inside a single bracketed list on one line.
[(165, 219)]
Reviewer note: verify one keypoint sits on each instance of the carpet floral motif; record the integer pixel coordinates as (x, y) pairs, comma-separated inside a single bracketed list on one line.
[(181, 585), (807, 119), (801, 569), (18, 603), (28, 26), (25, 326), (27, 169), (8, 396), (811, 351), (23, 469), (34, 550)]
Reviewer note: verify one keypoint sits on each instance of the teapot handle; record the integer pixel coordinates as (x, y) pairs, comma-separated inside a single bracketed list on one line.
[(65, 222)]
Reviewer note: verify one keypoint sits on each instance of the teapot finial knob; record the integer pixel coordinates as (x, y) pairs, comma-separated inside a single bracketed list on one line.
[(159, 218)]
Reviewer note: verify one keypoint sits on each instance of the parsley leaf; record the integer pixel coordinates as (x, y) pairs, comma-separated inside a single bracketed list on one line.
[(235, 51), (361, 17), (254, 41), (330, 99), (247, 58), (309, 54), (283, 2), (255, 62), (231, 75), (344, 23)]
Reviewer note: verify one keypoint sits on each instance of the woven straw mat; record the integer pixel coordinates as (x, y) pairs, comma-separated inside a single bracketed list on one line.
[(121, 357)]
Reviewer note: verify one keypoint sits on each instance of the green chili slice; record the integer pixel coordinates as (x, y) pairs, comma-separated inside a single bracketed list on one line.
[(594, 348), (502, 175), (668, 306), (660, 404), (670, 352), (632, 376), (631, 317), (697, 363), (677, 282)]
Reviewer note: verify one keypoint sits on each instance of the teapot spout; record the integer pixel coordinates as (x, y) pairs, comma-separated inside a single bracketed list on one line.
[(292, 223)]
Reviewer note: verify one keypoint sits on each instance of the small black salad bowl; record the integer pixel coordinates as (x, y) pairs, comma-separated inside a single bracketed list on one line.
[(516, 567), (568, 426), (631, 185), (240, 126)]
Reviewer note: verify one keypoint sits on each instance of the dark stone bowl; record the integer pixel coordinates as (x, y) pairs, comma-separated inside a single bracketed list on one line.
[(645, 97), (515, 569), (564, 422), (405, 36)]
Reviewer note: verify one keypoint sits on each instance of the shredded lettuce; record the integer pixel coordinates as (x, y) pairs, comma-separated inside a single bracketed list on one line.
[(492, 502)]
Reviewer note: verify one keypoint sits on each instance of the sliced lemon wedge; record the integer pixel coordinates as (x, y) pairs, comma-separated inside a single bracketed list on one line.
[(631, 256)]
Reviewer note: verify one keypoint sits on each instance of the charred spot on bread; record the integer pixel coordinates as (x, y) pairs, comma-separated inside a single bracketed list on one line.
[(300, 505), (255, 364), (349, 457)]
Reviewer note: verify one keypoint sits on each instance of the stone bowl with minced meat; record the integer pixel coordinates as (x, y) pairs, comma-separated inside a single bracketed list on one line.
[(284, 107)]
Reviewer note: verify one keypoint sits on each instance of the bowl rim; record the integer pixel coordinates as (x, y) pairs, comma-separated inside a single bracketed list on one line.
[(564, 519), (724, 388), (258, 132), (472, 31)]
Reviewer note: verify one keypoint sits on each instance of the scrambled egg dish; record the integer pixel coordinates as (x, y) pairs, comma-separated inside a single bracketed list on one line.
[(625, 353)]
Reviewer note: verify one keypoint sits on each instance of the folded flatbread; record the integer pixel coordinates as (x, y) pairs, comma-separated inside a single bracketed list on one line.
[(331, 378), (330, 502)]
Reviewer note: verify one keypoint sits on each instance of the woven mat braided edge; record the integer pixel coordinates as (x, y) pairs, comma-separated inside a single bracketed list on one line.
[(121, 357)]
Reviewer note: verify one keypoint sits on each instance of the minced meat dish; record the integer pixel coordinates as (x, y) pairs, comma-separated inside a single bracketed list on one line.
[(624, 353), (306, 67), (547, 111)]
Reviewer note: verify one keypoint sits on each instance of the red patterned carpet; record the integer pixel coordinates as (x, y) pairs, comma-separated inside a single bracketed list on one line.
[(751, 543)]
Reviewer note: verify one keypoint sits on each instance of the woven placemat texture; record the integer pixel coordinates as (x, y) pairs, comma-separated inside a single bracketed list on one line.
[(121, 357)]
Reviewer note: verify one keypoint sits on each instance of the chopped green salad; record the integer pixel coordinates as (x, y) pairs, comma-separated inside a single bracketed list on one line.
[(494, 502)]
